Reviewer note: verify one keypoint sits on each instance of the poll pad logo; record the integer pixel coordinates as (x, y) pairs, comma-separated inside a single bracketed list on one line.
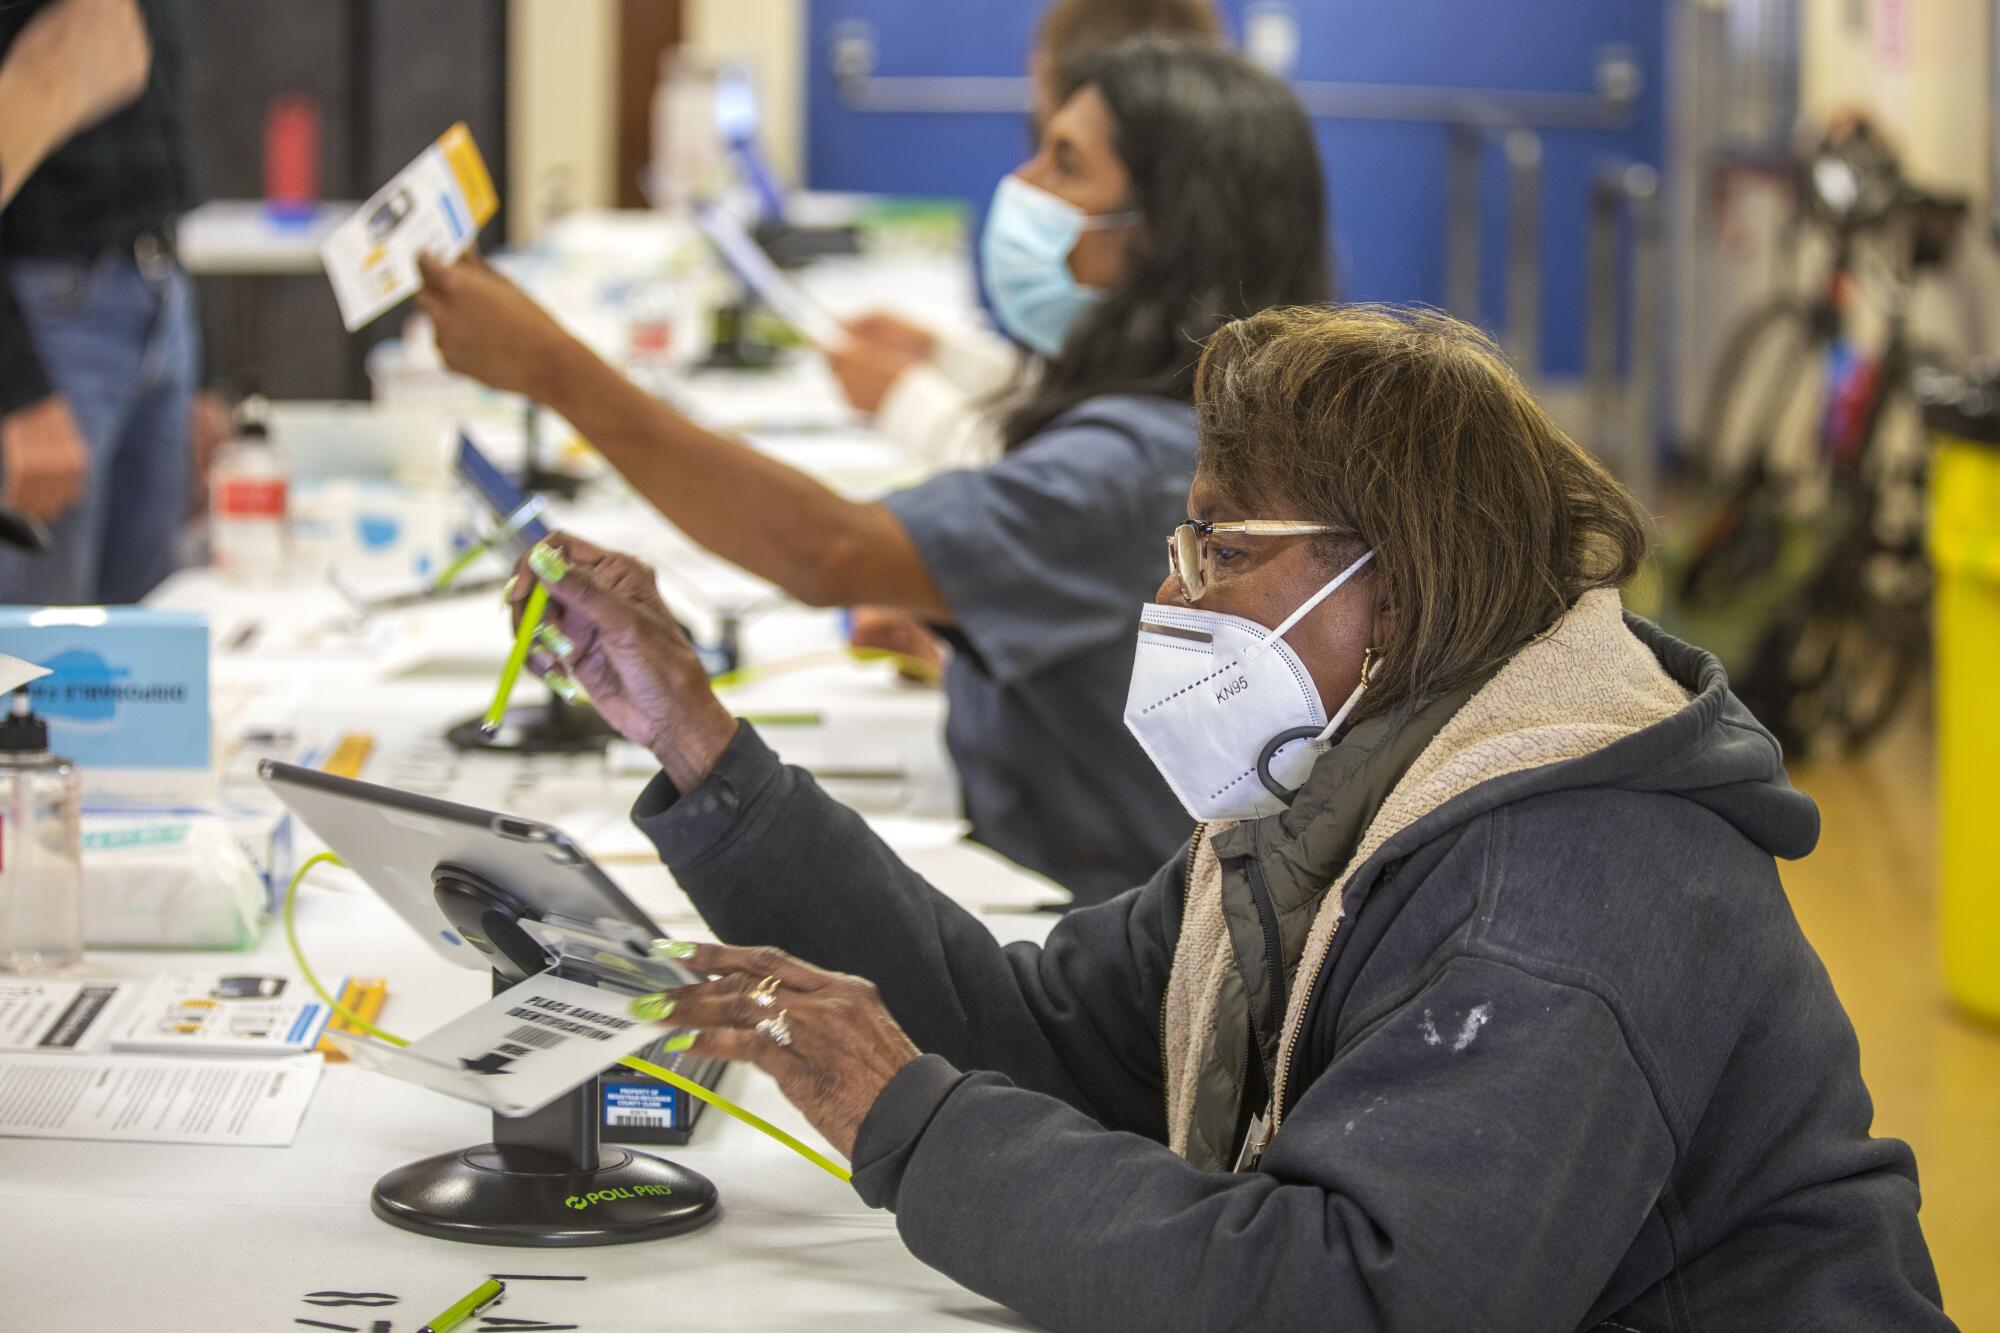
[(583, 1201)]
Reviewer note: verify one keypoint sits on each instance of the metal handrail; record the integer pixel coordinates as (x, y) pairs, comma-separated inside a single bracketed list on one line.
[(1475, 117), (1625, 228), (1521, 245), (1612, 103)]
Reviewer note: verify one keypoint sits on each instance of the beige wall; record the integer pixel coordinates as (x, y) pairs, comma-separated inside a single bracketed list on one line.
[(561, 95), (1926, 80), (1922, 67), (770, 34)]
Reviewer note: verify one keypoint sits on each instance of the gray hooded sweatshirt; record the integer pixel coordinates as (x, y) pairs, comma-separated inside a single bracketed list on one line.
[(1544, 1047)]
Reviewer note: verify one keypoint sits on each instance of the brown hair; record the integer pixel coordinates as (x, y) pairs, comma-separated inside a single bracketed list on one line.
[(1069, 28), (1407, 430)]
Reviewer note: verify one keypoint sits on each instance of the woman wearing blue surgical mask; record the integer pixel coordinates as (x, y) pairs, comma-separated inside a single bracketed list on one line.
[(1176, 186), (930, 385)]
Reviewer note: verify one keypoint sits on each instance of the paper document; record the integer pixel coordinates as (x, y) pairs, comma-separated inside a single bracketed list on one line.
[(53, 1016), (224, 1013), (520, 1050), (747, 260), (436, 206), (156, 1098)]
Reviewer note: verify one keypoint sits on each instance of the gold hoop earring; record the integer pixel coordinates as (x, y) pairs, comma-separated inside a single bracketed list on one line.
[(1371, 658)]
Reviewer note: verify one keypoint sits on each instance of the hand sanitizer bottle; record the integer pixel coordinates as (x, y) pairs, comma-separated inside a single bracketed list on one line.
[(41, 852)]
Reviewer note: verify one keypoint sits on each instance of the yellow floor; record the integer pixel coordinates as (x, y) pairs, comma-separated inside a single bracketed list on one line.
[(1867, 899)]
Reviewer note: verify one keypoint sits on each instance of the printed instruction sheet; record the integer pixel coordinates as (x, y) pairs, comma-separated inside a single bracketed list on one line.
[(156, 1098), (54, 1016), (223, 1013)]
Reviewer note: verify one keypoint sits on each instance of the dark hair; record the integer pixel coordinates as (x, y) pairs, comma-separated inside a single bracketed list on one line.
[(1224, 169), (1070, 28), (1407, 431)]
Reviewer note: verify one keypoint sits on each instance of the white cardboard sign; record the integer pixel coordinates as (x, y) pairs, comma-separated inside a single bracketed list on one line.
[(520, 1050)]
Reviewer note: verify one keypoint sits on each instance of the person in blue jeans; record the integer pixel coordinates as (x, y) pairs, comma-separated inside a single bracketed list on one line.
[(98, 352)]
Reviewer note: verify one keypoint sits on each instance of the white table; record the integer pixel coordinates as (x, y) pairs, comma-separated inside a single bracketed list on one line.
[(104, 1236)]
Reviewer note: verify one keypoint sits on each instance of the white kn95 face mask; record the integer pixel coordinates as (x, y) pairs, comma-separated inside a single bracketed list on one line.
[(1225, 709)]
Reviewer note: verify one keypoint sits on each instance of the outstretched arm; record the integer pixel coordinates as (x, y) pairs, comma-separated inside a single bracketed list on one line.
[(749, 508)]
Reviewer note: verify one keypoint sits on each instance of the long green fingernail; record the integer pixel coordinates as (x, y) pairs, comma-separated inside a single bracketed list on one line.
[(556, 641), (548, 563), (652, 1008), (675, 1045), (562, 686), (507, 588), (673, 949)]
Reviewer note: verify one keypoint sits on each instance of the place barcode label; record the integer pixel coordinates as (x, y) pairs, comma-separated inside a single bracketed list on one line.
[(540, 1038), (625, 1119)]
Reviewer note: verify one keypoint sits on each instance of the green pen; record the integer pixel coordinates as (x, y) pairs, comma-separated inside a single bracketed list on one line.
[(524, 639), (548, 566), (482, 1296), (527, 513), (449, 574)]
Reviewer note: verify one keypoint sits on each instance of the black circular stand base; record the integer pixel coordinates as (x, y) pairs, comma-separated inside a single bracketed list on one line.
[(553, 728), (473, 1196)]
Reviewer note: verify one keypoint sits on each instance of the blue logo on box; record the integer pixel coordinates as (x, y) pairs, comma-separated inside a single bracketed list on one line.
[(81, 686)]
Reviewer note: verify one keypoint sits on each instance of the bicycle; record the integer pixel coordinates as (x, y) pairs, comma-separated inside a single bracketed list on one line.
[(1823, 516)]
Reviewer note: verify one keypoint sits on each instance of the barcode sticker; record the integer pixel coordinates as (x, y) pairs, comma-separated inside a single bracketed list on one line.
[(540, 1038)]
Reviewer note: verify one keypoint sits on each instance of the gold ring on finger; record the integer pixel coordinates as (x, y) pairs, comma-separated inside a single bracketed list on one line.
[(778, 1027), (765, 993)]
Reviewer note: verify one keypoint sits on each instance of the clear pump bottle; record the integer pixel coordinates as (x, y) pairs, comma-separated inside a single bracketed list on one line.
[(41, 853)]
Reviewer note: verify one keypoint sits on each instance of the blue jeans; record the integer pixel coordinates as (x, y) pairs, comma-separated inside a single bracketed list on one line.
[(120, 348)]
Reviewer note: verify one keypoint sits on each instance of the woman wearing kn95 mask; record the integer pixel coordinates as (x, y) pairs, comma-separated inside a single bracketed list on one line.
[(1486, 1010), (1176, 187)]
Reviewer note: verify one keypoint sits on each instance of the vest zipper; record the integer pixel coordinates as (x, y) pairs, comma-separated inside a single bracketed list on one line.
[(1274, 971), (1187, 890), (1274, 1001), (1282, 1084)]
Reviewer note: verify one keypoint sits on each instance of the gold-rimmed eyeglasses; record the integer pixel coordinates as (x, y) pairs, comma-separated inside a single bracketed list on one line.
[(1187, 547)]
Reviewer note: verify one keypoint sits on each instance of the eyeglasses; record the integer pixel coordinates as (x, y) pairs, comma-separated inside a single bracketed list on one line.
[(1187, 547)]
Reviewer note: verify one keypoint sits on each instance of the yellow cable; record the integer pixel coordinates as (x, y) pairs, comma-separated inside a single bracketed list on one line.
[(356, 1021), (750, 1118), (647, 1067)]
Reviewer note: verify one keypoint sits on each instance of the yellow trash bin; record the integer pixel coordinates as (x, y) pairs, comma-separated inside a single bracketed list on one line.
[(1965, 547)]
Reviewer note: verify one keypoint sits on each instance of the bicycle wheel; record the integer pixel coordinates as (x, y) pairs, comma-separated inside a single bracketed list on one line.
[(1887, 648), (1761, 437), (1833, 670)]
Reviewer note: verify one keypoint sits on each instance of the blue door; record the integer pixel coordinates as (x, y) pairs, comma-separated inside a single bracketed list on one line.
[(1387, 176)]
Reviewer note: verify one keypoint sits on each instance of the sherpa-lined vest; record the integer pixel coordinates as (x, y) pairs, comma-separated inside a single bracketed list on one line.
[(1265, 897)]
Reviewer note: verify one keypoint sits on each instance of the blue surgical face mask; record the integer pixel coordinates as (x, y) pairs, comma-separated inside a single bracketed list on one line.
[(1024, 259)]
